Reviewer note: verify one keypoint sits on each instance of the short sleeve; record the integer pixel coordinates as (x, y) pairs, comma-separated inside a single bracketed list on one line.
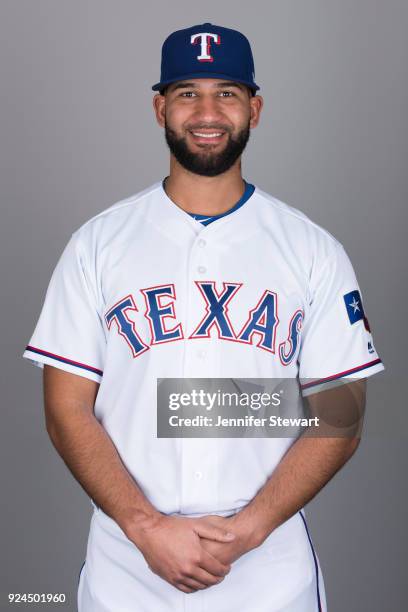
[(336, 339), (69, 333)]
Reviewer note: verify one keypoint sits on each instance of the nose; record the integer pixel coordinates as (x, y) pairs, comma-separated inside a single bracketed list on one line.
[(208, 109)]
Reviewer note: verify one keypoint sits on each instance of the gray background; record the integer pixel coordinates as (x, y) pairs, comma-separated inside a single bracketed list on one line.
[(77, 134)]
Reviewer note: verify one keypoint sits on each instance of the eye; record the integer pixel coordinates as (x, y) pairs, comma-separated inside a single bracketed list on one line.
[(187, 94), (227, 94)]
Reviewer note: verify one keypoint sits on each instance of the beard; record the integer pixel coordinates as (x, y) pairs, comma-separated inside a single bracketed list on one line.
[(207, 163)]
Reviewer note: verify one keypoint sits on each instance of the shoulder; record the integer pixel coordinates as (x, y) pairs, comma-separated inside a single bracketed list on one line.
[(107, 222), (293, 217), (296, 227)]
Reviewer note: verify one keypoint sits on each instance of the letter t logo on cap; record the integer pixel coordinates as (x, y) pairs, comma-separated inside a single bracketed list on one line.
[(205, 41)]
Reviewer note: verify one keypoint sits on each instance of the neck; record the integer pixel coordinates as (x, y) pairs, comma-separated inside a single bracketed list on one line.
[(206, 195)]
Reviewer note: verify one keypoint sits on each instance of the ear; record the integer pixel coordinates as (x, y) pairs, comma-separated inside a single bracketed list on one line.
[(159, 105), (256, 104)]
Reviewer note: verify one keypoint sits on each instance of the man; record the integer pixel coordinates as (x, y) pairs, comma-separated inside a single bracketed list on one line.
[(202, 275)]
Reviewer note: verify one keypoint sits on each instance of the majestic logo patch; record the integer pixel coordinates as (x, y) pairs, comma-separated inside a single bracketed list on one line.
[(354, 306)]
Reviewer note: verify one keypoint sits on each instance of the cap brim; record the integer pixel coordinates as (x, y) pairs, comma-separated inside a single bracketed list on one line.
[(205, 75)]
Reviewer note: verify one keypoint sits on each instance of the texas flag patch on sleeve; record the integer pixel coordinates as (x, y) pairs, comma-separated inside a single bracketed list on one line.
[(354, 306)]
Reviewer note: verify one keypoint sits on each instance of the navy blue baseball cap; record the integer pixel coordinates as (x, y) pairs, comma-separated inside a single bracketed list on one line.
[(207, 51)]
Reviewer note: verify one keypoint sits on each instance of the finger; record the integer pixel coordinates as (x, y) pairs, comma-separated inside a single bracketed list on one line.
[(197, 585), (213, 533), (204, 578), (184, 588), (212, 565)]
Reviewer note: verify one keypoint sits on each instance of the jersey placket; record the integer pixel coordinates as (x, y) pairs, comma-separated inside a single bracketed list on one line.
[(199, 465)]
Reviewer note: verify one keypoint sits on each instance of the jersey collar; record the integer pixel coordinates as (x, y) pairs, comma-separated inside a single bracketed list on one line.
[(193, 220)]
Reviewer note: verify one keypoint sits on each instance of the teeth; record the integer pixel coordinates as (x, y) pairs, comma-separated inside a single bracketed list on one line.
[(207, 135)]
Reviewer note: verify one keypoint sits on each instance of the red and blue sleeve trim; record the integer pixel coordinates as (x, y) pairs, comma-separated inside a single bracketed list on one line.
[(340, 374), (78, 364)]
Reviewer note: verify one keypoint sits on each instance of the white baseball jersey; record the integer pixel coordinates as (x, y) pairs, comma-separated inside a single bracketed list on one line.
[(144, 291)]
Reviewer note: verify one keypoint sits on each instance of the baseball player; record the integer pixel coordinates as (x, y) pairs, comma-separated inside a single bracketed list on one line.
[(201, 275)]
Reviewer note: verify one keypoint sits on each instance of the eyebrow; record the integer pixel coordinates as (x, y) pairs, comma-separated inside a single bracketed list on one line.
[(191, 84), (231, 84)]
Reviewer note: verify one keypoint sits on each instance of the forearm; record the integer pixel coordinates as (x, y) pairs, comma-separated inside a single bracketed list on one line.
[(308, 465), (170, 545), (91, 456)]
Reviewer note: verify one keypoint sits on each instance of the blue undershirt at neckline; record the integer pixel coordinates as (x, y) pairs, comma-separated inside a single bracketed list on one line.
[(206, 220)]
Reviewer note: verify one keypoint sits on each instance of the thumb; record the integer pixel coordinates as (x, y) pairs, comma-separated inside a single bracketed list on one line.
[(213, 533)]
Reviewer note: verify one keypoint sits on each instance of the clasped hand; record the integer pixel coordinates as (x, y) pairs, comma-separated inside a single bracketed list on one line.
[(192, 553)]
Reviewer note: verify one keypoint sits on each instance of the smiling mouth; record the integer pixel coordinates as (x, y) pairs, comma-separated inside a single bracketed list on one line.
[(210, 137), (204, 135)]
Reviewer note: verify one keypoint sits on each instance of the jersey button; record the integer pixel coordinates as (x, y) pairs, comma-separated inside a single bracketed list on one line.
[(198, 475), (202, 269), (201, 243)]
